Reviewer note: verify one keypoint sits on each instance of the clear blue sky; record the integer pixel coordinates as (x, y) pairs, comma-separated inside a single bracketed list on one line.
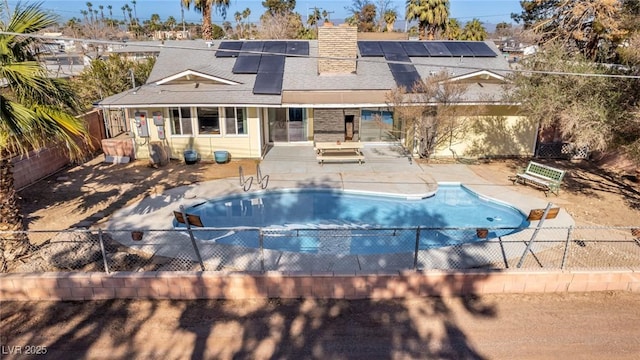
[(488, 11)]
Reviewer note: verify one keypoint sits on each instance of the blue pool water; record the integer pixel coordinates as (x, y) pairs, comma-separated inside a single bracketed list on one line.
[(286, 212)]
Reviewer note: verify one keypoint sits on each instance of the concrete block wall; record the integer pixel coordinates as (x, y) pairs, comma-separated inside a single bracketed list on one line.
[(223, 285), (47, 161), (328, 124), (29, 169)]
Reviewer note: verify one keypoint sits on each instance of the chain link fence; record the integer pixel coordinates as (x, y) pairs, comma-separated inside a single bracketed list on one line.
[(337, 250)]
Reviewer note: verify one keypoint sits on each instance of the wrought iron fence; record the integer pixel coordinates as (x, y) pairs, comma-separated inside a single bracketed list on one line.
[(321, 250)]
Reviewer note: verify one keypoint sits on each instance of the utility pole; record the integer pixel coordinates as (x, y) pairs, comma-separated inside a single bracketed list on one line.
[(329, 15), (315, 10), (182, 12)]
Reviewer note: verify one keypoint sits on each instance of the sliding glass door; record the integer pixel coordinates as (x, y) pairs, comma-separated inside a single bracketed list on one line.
[(287, 124)]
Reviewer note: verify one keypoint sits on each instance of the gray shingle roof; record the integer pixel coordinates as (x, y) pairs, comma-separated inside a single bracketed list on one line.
[(300, 74)]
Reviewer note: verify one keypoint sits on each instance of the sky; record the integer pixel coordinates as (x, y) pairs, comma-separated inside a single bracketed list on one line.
[(487, 11)]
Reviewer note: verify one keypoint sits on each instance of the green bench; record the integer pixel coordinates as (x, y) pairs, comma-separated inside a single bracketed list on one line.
[(546, 177)]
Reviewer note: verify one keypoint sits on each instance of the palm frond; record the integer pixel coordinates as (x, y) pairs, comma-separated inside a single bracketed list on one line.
[(35, 110), (26, 19)]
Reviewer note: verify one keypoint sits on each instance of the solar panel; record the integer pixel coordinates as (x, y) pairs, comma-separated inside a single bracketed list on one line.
[(392, 47), (437, 49), (278, 47), (480, 49), (458, 48), (401, 67), (397, 57), (406, 79), (415, 48), (271, 64), (246, 64), (297, 48), (370, 48), (268, 84), (228, 45), (255, 46)]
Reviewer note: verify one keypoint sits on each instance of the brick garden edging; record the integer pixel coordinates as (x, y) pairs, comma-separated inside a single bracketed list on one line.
[(223, 285)]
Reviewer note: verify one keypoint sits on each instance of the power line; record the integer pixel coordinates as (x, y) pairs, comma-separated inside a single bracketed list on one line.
[(371, 60)]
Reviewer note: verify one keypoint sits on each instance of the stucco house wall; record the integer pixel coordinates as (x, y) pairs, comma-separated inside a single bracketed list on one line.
[(499, 132)]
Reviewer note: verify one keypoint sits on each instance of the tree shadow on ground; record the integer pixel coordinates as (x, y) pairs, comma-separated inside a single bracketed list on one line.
[(97, 189), (302, 328), (587, 178)]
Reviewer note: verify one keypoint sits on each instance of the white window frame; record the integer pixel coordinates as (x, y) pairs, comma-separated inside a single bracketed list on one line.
[(220, 122), (234, 131), (190, 118)]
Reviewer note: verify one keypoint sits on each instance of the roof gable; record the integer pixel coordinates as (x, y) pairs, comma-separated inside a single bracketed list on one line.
[(191, 76), (479, 76)]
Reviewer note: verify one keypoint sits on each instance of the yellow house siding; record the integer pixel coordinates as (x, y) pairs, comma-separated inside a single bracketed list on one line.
[(254, 148), (494, 135), (239, 146)]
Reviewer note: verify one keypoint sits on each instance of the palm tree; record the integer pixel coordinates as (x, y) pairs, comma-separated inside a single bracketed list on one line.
[(390, 16), (474, 31), (204, 7), (170, 23), (135, 12), (35, 111), (111, 22), (84, 15), (128, 8), (239, 28), (453, 30), (155, 23), (431, 15), (314, 19)]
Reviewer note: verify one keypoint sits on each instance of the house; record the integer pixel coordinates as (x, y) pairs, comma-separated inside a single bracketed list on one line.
[(242, 96)]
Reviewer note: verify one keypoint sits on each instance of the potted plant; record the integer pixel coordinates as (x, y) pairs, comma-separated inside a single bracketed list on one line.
[(190, 157)]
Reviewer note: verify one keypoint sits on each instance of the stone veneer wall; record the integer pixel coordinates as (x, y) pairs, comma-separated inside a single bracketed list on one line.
[(337, 42), (223, 285), (328, 124)]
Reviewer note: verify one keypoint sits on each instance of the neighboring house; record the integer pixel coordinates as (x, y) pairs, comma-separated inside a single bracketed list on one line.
[(171, 35), (137, 50), (64, 65), (241, 96)]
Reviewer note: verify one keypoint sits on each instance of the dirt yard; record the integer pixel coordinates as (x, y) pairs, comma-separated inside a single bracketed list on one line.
[(551, 326), (85, 195)]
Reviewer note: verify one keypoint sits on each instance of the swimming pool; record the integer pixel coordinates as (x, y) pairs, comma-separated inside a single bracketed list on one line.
[(301, 217)]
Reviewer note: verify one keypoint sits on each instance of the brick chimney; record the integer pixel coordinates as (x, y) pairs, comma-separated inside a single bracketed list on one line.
[(337, 42)]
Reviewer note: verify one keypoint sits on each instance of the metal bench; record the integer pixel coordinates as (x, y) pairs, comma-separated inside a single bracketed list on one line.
[(546, 177)]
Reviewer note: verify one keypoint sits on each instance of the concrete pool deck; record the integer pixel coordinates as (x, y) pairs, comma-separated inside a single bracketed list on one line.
[(386, 170)]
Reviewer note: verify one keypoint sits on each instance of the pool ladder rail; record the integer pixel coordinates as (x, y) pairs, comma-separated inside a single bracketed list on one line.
[(247, 182)]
